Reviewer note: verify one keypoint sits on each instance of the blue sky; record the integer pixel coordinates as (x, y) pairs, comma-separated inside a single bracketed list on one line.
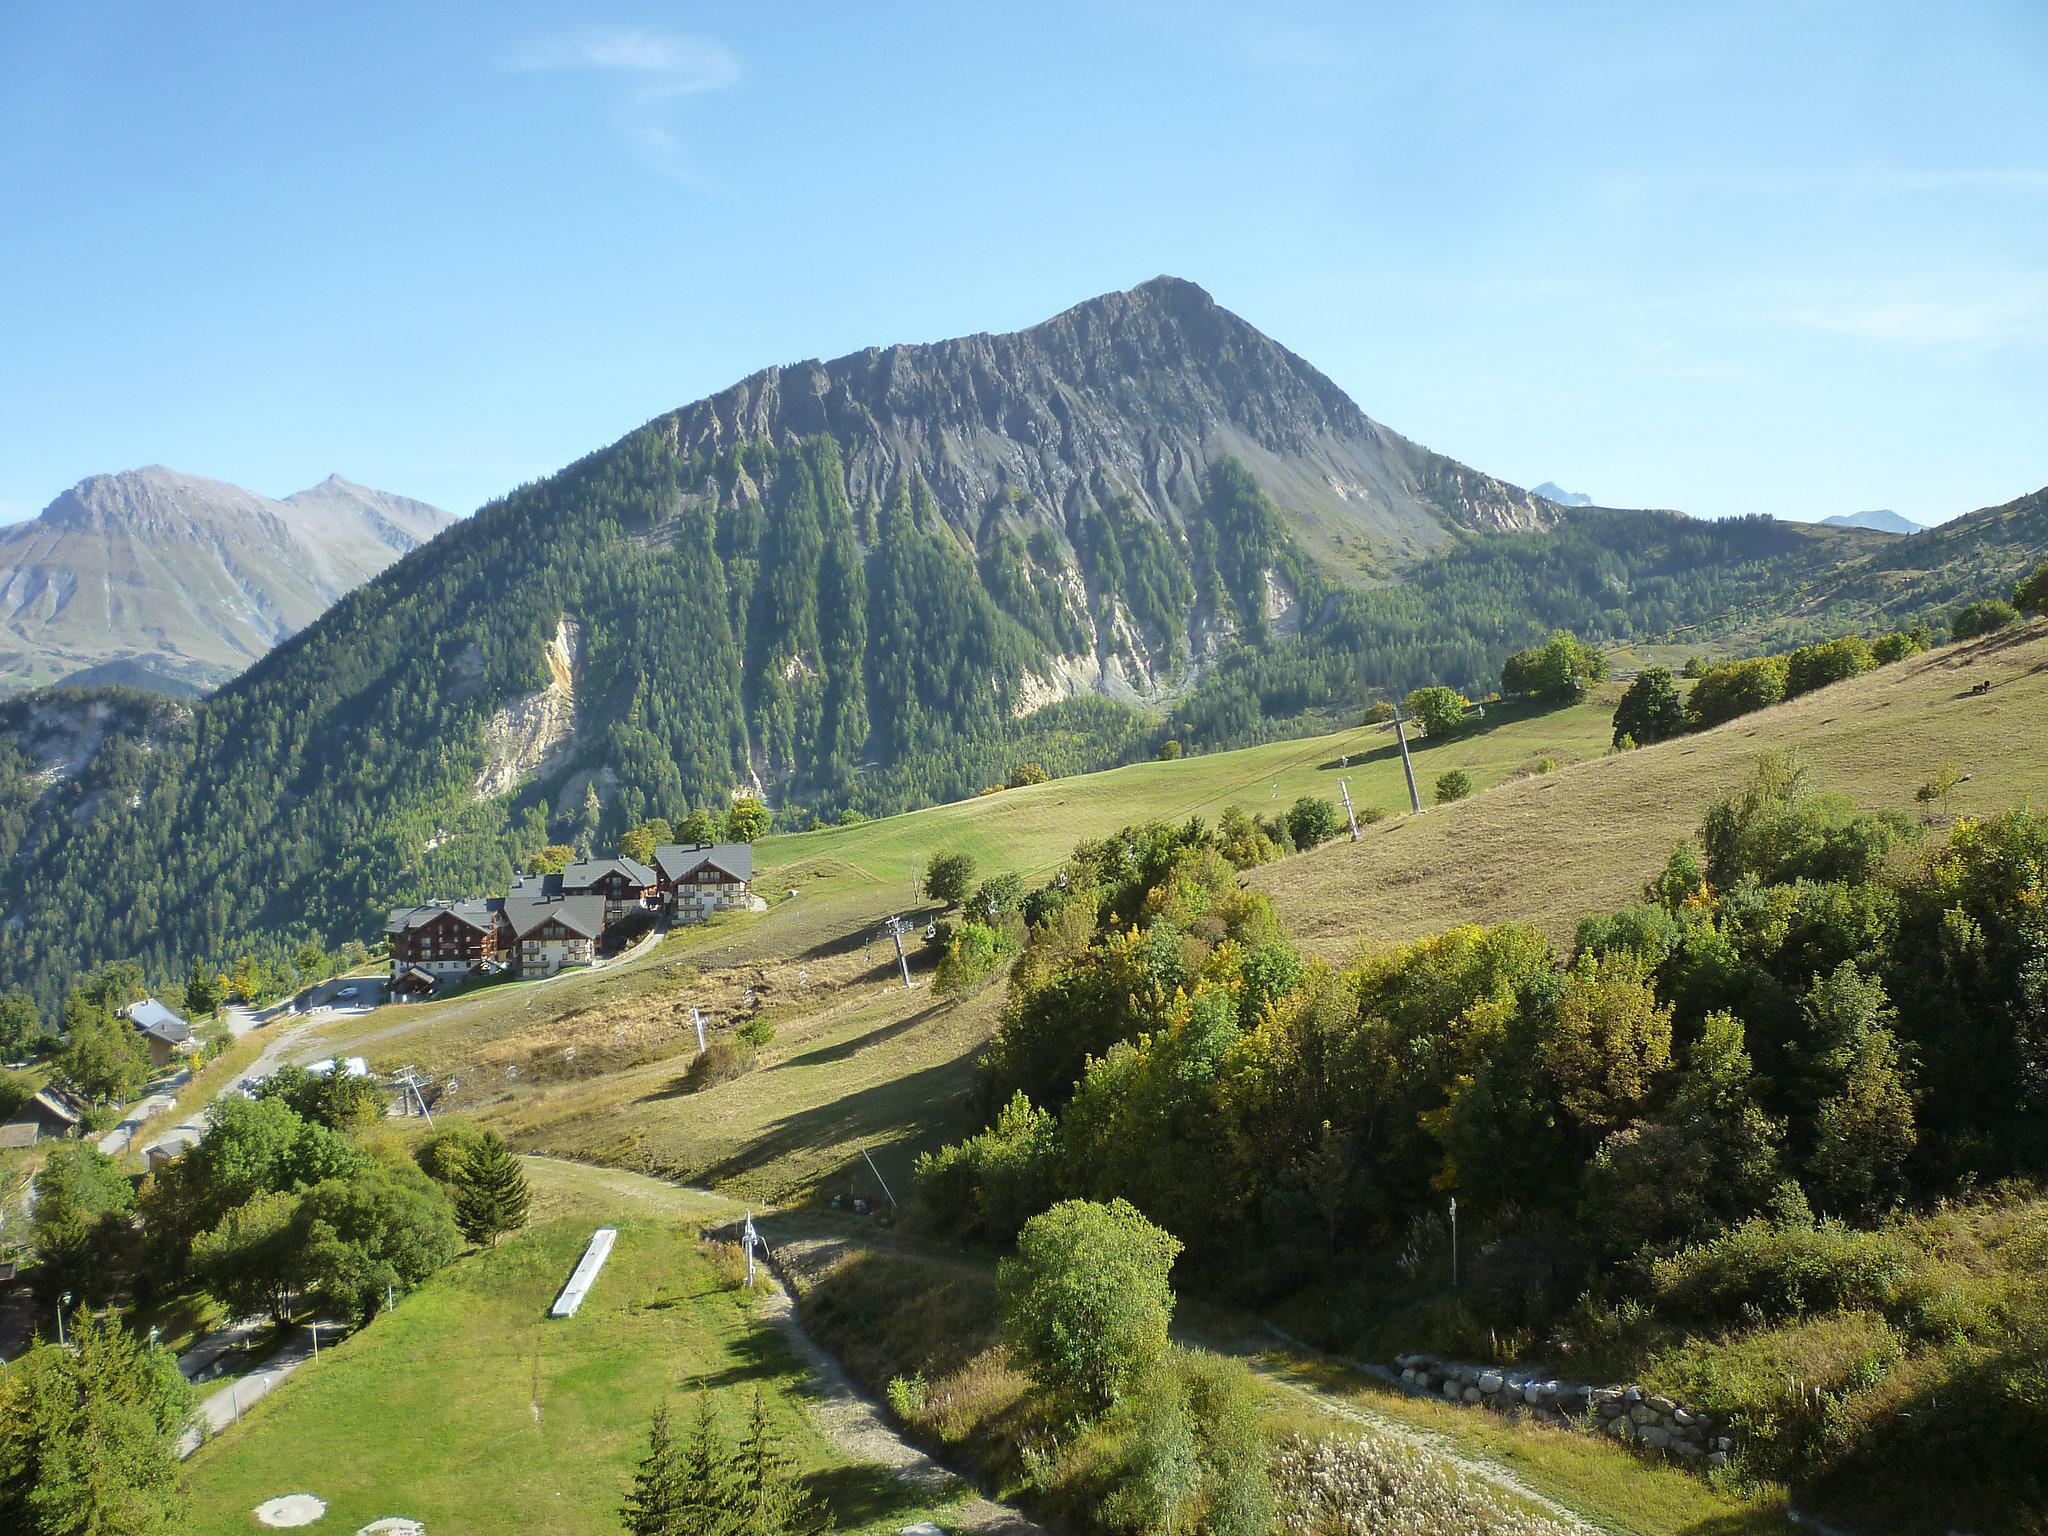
[(1786, 258)]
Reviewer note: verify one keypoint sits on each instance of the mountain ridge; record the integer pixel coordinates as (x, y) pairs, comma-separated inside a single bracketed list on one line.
[(167, 579)]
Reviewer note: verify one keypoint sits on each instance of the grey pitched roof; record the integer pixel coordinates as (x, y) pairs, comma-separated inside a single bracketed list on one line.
[(582, 915), (479, 912), (153, 1018), (585, 873), (678, 860)]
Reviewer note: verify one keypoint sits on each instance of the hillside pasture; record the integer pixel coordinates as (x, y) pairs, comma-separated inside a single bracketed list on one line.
[(470, 1410)]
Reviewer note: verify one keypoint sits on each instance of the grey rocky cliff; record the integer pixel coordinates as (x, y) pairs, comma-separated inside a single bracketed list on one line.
[(1131, 394)]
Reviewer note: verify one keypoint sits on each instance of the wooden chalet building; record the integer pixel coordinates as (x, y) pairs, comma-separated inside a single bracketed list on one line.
[(626, 885), (698, 879), (551, 930), (447, 938)]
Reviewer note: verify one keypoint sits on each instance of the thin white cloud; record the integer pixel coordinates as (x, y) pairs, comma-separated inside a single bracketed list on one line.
[(655, 70), (1979, 313)]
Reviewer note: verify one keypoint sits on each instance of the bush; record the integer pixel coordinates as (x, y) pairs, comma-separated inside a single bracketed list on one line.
[(1735, 688), (1650, 710), (1981, 618), (972, 955), (1559, 670), (1085, 1299), (443, 1150), (1441, 710), (1312, 819), (1379, 713), (1169, 751), (948, 877), (1831, 661), (1454, 785), (2031, 594), (723, 1058), (757, 1031), (1026, 774)]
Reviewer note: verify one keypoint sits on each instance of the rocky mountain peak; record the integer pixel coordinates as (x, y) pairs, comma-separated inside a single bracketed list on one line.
[(1124, 399)]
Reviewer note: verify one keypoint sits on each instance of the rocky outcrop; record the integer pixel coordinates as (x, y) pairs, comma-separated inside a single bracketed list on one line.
[(534, 734), (1626, 1413)]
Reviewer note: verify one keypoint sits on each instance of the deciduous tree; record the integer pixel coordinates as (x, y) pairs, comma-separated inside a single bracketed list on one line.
[(1650, 710), (1085, 1299)]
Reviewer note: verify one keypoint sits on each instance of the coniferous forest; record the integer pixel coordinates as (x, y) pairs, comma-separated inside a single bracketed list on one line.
[(744, 622)]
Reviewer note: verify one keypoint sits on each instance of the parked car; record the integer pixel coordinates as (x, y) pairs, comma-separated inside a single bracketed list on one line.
[(347, 991)]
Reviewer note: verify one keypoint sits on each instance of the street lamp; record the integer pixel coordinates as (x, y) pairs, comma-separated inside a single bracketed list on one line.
[(62, 1302)]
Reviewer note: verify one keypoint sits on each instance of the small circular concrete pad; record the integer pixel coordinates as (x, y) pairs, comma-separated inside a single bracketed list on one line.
[(290, 1509), (922, 1528), (393, 1525)]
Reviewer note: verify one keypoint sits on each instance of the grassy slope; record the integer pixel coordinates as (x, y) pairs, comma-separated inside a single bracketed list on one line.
[(858, 1062), (468, 1409), (1548, 850)]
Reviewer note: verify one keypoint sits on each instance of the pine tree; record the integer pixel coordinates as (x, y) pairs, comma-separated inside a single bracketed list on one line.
[(490, 1192), (711, 1502), (655, 1506), (771, 1501)]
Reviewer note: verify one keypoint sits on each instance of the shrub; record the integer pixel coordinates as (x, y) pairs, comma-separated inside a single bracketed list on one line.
[(1831, 661), (723, 1058), (1558, 670), (1169, 750), (1779, 1389), (1735, 688), (1897, 646), (948, 877), (757, 1031), (1440, 710), (1025, 774), (1085, 1299), (1981, 618), (1379, 713), (1454, 785), (972, 955), (443, 1150), (1650, 710), (1312, 819), (2031, 594)]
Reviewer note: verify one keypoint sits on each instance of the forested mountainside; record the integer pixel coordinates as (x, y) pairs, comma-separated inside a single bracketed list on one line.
[(932, 574), (176, 583)]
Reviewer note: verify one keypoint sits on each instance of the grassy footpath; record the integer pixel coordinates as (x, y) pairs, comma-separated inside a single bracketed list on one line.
[(469, 1410)]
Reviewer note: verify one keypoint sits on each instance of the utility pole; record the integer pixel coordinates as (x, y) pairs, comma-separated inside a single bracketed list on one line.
[(1407, 766), (1454, 1242), (1349, 814), (894, 928)]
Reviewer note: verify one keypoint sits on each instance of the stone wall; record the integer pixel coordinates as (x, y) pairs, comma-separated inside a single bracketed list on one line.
[(1627, 1413)]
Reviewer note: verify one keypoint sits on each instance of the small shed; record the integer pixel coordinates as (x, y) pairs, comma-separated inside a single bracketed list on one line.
[(51, 1112), (413, 981)]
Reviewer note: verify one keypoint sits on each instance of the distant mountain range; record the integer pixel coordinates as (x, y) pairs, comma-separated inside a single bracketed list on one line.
[(1883, 520), (176, 583), (1550, 490)]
